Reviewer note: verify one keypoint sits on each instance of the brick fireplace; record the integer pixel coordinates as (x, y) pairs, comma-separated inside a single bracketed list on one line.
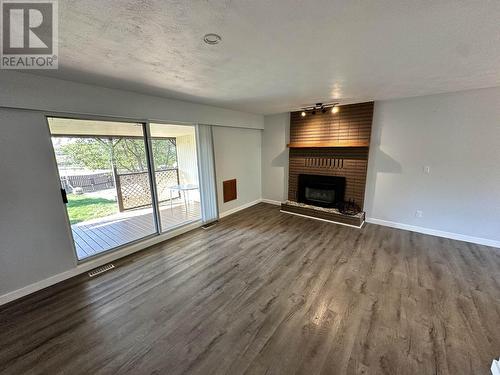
[(330, 144)]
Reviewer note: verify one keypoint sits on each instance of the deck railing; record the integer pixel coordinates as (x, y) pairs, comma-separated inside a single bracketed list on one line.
[(134, 191)]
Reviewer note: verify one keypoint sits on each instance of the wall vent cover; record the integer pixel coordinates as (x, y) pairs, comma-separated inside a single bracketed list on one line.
[(229, 190), (102, 269)]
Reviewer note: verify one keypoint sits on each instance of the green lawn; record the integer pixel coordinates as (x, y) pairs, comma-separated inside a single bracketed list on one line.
[(83, 208)]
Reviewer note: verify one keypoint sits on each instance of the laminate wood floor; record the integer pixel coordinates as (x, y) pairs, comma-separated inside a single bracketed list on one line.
[(264, 292)]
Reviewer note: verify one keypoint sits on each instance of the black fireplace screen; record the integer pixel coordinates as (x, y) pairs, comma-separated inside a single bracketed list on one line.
[(323, 191)]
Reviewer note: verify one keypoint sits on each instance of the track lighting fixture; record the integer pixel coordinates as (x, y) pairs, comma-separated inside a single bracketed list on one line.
[(320, 107)]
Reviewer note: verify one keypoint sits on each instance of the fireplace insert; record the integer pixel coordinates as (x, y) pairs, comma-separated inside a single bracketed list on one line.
[(322, 191)]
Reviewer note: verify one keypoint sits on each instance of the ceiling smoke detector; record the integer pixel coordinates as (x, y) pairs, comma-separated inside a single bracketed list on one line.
[(212, 38)]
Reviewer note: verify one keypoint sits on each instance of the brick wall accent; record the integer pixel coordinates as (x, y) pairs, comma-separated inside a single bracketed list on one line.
[(352, 123)]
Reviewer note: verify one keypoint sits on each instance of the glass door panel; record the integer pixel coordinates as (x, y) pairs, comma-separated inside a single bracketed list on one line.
[(103, 169), (176, 174)]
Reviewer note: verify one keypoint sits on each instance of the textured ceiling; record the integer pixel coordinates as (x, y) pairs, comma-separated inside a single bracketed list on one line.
[(283, 54)]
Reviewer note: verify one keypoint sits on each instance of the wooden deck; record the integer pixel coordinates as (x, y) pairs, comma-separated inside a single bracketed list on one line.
[(96, 236)]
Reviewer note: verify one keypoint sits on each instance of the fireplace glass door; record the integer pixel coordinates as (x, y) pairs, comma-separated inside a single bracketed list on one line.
[(323, 191)]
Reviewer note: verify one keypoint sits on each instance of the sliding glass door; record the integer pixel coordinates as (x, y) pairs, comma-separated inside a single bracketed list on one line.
[(104, 172), (176, 174), (125, 181)]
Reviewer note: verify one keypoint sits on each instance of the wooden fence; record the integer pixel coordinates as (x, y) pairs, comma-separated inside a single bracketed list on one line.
[(88, 183)]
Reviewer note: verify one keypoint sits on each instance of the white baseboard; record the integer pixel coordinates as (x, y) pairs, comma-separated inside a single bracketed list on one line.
[(35, 287), (239, 208), (435, 232), (270, 201), (86, 266)]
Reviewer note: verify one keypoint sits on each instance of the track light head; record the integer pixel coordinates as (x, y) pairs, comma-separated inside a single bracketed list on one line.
[(319, 108)]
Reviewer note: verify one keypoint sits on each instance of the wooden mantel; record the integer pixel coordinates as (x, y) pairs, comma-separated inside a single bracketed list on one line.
[(342, 143)]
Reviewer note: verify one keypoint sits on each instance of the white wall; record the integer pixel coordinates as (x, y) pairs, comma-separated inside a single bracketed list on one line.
[(458, 136), (28, 91), (238, 155), (275, 157), (34, 234)]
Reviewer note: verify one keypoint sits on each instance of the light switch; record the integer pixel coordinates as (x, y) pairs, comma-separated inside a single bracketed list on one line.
[(427, 169)]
